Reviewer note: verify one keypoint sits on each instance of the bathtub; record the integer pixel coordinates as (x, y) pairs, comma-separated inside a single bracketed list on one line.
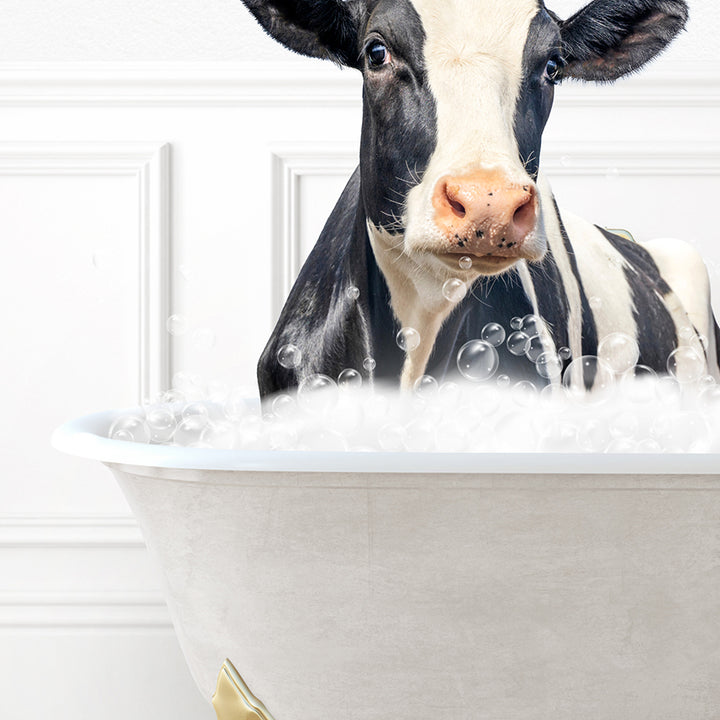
[(360, 586)]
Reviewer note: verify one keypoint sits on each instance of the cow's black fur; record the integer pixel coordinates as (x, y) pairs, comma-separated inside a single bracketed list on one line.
[(603, 41)]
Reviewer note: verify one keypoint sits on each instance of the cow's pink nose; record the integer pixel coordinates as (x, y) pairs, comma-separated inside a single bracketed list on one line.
[(484, 213)]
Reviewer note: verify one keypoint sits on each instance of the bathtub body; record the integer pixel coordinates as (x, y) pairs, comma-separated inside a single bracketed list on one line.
[(453, 586)]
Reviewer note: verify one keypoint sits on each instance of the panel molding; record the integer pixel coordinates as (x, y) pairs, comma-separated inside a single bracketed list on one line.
[(107, 532), (23, 611), (63, 609), (296, 83), (632, 158), (290, 164), (149, 164)]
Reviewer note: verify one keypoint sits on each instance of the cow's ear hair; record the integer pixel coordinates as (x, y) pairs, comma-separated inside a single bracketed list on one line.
[(318, 28), (611, 38)]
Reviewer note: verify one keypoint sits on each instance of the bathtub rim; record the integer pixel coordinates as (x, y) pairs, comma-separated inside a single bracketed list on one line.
[(84, 437)]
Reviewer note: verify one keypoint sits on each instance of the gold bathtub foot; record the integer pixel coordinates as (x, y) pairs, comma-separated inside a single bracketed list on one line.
[(233, 700)]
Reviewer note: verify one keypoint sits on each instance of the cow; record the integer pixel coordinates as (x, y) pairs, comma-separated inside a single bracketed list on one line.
[(456, 94)]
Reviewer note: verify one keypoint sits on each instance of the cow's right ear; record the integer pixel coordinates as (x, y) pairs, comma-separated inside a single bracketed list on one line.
[(318, 28), (611, 38)]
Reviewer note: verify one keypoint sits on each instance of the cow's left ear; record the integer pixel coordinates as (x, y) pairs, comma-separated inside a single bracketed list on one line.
[(611, 38), (318, 28)]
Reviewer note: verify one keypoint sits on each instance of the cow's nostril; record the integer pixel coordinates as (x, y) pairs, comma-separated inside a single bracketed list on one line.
[(524, 217), (457, 207)]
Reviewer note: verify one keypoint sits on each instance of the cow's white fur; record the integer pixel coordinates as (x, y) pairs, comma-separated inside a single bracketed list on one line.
[(602, 273), (473, 56), (683, 268), (416, 295), (554, 239)]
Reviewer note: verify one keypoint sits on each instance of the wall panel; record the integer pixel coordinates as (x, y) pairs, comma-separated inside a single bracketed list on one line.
[(132, 191)]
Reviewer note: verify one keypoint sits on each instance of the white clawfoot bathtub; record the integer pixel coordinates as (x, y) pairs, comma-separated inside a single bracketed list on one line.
[(361, 586)]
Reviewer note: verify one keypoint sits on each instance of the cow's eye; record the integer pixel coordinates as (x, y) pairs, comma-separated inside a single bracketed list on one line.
[(377, 54), (553, 70)]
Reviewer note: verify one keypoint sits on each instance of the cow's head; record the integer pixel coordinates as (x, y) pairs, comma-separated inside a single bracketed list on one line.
[(456, 96)]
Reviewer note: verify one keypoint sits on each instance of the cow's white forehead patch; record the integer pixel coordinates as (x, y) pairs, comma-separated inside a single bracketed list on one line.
[(473, 54), (474, 62)]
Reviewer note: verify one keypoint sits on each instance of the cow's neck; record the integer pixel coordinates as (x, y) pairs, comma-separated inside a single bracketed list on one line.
[(416, 290)]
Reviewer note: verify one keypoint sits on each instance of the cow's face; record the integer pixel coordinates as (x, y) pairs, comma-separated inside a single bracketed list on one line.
[(456, 96)]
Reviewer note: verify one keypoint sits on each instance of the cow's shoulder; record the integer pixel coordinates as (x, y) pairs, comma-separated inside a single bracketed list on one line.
[(321, 318)]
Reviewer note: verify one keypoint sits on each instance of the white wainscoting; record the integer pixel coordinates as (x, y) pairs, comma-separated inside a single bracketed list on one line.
[(130, 192)]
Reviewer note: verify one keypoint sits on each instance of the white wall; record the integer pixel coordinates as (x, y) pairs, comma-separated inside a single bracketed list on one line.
[(160, 158)]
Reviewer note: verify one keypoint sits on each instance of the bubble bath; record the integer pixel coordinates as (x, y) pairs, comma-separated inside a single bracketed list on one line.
[(632, 413)]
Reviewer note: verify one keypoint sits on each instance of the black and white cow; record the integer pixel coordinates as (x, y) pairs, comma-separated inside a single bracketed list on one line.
[(456, 96)]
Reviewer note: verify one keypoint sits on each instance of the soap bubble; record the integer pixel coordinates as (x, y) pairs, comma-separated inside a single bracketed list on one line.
[(681, 431), (282, 436), (317, 393), (454, 290), (325, 440), (535, 348), (668, 391), (349, 378), (623, 425), (465, 262), (220, 435), (686, 365), (425, 386), (516, 323), (177, 325), (195, 409), (638, 384), (686, 332), (564, 353), (131, 428), (170, 397), (648, 445), (236, 405), (391, 437), (252, 433), (190, 429), (420, 435), (289, 356), (518, 343), (549, 365), (560, 435), (450, 392), (588, 372), (595, 302), (408, 339), (494, 334), (369, 364), (161, 423), (619, 351), (553, 392), (524, 393), (452, 436), (532, 325), (477, 360), (352, 293), (621, 445), (203, 338), (283, 405), (594, 435), (502, 381), (710, 398)]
